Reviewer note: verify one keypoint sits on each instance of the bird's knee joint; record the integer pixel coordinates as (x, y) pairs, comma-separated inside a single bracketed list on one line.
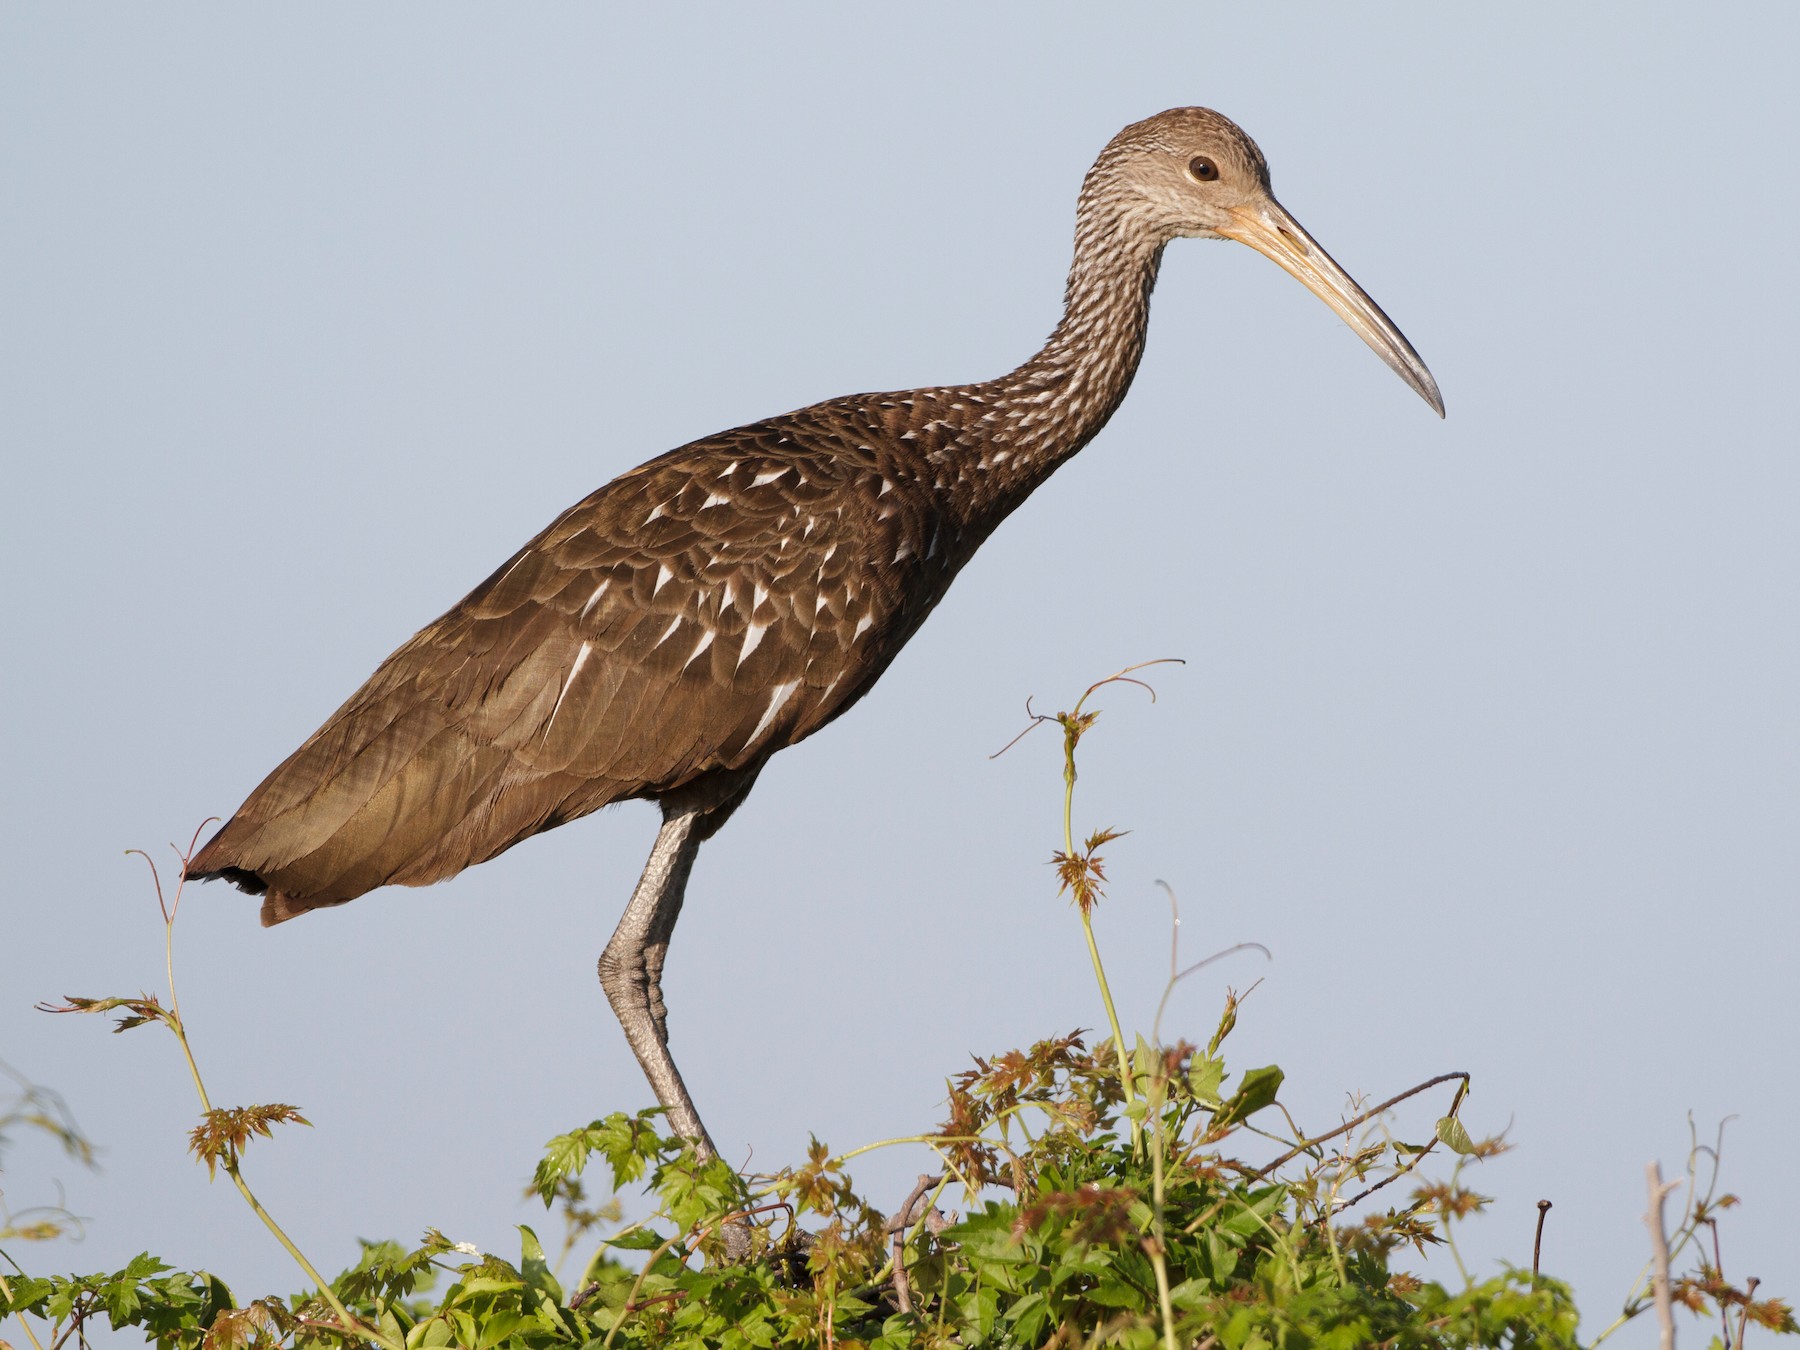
[(618, 975)]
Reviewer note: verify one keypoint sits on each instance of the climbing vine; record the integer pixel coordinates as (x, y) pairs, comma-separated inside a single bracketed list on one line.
[(1119, 1191)]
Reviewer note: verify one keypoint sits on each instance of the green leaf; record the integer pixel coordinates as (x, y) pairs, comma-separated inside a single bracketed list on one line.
[(26, 1292), (1454, 1136), (565, 1155), (1256, 1090), (489, 1283), (1114, 1292), (431, 1334), (631, 1144), (143, 1266), (1029, 1316), (535, 1268), (636, 1240), (496, 1327), (1205, 1076), (1144, 1061)]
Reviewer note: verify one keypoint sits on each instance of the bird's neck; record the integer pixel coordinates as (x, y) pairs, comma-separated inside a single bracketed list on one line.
[(1049, 408)]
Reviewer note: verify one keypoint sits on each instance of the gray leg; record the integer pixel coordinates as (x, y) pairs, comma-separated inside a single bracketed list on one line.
[(656, 951), (631, 969)]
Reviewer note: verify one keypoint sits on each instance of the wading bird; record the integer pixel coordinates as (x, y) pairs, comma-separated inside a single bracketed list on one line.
[(664, 637)]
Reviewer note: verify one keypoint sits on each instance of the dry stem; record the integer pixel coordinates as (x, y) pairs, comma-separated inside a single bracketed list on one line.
[(1659, 1253)]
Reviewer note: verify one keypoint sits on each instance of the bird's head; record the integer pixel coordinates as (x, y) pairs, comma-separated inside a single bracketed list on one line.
[(1191, 173)]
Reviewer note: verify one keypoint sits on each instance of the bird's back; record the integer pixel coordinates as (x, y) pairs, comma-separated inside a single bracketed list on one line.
[(669, 632)]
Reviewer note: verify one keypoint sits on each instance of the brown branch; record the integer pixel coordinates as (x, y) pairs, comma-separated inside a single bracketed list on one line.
[(583, 1294), (1537, 1243), (334, 1328), (1348, 1125), (1369, 1115), (1418, 1157), (737, 1218), (1744, 1312), (1724, 1309), (897, 1227), (672, 1296), (78, 1316)]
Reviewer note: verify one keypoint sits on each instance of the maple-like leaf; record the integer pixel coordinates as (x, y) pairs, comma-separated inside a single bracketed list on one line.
[(222, 1132)]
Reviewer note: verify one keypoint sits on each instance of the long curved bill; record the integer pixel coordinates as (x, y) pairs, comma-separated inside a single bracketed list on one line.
[(1268, 228)]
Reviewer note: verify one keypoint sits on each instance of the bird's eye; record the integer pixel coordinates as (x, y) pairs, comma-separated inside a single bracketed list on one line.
[(1203, 168)]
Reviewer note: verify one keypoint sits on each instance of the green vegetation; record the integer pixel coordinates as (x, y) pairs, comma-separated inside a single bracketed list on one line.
[(28, 1105), (1130, 1193)]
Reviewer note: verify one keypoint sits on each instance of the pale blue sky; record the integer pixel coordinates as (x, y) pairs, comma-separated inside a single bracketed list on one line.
[(1488, 728)]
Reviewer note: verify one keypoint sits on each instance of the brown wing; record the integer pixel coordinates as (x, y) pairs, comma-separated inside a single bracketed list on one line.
[(688, 619)]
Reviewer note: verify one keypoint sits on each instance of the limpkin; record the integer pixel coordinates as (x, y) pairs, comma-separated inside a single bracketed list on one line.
[(665, 636)]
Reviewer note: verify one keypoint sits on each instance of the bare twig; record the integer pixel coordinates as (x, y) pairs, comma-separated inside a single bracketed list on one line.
[(1724, 1308), (1659, 1253), (1177, 975), (673, 1296), (78, 1316), (1033, 720), (737, 1219), (897, 1228), (1347, 1126), (1537, 1243), (1417, 1158), (1744, 1312), (1369, 1115), (631, 1297), (1036, 719)]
